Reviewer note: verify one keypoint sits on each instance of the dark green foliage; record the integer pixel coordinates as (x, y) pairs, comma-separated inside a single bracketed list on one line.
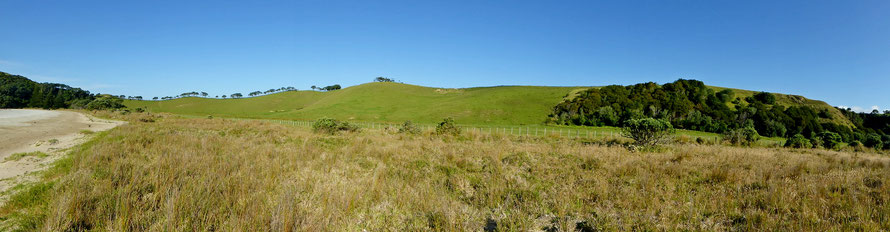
[(689, 104), (332, 126), (647, 132), (329, 87), (886, 139), (873, 140), (772, 128), (447, 127), (409, 128), (725, 95), (383, 79), (873, 123), (19, 92), (830, 140), (765, 98), (856, 145), (611, 105), (798, 141), (742, 136), (105, 102)]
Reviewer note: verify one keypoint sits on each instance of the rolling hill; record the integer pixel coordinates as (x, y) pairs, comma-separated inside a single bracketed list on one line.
[(395, 102)]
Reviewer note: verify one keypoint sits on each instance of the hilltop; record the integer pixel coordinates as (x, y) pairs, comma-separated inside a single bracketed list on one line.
[(396, 102)]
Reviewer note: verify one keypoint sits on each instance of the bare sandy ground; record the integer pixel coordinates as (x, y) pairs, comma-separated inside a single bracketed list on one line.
[(51, 132)]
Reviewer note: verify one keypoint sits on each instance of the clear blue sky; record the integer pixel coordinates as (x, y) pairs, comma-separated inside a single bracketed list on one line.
[(837, 51)]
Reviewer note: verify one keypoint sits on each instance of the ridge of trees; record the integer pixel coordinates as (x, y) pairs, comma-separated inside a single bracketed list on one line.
[(689, 104), (327, 88), (20, 92)]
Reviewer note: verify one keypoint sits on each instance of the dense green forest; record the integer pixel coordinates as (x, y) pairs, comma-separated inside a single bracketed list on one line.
[(689, 104), (20, 92)]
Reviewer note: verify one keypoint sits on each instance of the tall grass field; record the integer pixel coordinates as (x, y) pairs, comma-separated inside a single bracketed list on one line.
[(197, 174)]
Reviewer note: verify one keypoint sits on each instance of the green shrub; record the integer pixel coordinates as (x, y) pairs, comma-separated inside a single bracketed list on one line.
[(857, 146), (105, 102), (886, 139), (830, 140), (647, 132), (798, 141), (447, 126), (332, 126), (409, 128), (874, 141), (772, 128), (745, 136)]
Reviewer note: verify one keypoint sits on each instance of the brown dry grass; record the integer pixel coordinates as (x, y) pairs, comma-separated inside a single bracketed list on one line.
[(213, 174)]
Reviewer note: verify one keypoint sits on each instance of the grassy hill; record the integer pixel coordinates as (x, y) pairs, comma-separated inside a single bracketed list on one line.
[(383, 102), (796, 100), (395, 102)]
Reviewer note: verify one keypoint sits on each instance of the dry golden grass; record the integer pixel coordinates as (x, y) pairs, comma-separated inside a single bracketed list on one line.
[(176, 174)]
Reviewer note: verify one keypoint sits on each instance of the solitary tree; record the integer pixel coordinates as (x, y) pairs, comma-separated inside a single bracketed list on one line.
[(154, 98), (647, 132), (314, 87), (383, 79), (204, 94), (331, 87)]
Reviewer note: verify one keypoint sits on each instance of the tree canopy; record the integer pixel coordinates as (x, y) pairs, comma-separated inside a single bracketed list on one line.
[(691, 105), (19, 92)]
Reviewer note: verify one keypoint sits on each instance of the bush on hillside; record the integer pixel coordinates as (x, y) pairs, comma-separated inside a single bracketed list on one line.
[(873, 141), (857, 146), (765, 98), (447, 127), (647, 132), (772, 128), (886, 139), (105, 102), (798, 141), (745, 136), (409, 128), (332, 126), (830, 140)]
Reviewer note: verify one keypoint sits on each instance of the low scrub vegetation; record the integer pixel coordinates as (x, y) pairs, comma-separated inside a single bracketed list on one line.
[(447, 127), (223, 175), (20, 155), (409, 128), (332, 126), (745, 136)]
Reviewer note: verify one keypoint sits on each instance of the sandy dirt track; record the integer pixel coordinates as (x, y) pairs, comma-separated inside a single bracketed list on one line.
[(51, 132)]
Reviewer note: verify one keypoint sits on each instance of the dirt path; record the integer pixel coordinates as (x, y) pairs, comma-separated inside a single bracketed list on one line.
[(50, 132)]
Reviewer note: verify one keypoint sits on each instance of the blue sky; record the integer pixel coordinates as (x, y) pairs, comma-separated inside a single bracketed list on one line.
[(837, 51)]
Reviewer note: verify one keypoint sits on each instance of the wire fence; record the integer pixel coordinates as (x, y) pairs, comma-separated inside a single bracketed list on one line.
[(590, 133)]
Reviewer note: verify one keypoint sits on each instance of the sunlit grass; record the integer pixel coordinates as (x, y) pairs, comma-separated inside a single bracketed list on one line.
[(214, 174)]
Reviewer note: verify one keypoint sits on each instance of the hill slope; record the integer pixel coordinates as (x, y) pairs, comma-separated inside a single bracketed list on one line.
[(394, 102), (389, 102)]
